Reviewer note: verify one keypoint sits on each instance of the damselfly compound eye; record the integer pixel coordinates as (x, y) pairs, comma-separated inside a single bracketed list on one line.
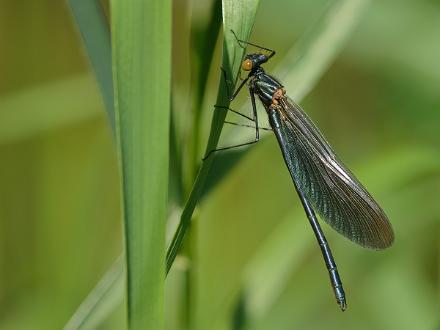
[(247, 65)]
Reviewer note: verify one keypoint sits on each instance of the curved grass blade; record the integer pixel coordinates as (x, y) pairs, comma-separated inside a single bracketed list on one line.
[(101, 301), (95, 34), (141, 38), (238, 16), (205, 42)]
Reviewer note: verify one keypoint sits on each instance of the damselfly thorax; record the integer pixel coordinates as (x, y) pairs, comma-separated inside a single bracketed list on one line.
[(265, 86)]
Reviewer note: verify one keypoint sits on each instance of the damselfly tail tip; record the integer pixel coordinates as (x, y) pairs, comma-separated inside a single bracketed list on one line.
[(342, 304)]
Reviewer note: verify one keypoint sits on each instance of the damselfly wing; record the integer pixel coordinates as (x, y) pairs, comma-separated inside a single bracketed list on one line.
[(327, 184)]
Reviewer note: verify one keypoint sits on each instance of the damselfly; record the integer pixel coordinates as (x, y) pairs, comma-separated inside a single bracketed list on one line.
[(321, 180)]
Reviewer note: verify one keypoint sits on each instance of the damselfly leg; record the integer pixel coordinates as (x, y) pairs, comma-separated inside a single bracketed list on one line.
[(257, 129)]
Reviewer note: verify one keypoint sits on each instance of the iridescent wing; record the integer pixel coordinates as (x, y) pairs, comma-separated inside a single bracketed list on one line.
[(328, 185)]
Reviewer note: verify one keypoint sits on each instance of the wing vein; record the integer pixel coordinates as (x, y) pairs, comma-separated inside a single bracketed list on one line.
[(335, 193)]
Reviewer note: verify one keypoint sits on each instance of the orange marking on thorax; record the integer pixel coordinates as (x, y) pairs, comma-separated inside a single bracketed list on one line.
[(279, 93)]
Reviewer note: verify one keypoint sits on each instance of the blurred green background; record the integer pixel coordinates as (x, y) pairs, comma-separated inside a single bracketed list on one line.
[(250, 258)]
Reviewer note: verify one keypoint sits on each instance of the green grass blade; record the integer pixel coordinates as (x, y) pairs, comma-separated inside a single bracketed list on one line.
[(95, 34), (238, 16), (205, 42), (101, 301), (141, 37)]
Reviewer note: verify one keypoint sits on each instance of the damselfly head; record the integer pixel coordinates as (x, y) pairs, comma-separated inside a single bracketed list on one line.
[(252, 61)]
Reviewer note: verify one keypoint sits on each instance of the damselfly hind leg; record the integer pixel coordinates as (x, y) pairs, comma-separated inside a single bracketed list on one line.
[(254, 119), (249, 126)]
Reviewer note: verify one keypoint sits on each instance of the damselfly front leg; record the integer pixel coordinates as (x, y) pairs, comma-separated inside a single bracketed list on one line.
[(240, 42)]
